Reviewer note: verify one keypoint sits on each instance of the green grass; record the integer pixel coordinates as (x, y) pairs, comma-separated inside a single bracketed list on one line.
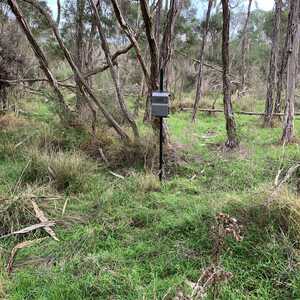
[(123, 239)]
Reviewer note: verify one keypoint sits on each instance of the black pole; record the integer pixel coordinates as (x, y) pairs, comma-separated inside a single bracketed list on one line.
[(161, 88), (161, 80), (160, 149)]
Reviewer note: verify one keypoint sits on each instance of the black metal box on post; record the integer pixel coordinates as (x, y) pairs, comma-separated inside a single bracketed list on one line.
[(160, 109), (160, 104)]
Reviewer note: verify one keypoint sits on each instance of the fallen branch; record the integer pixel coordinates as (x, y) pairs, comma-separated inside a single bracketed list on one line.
[(103, 156), (16, 248), (249, 113), (33, 80), (29, 229), (116, 175), (41, 216)]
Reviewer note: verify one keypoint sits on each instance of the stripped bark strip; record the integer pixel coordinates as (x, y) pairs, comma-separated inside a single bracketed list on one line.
[(29, 229), (108, 56), (63, 110), (70, 60), (14, 251), (41, 216)]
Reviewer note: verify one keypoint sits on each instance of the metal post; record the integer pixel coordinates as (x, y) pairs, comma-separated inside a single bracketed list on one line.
[(160, 149), (161, 87)]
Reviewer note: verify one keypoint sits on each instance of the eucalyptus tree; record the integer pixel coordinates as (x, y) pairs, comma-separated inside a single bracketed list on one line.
[(273, 65), (232, 138), (293, 41), (201, 57)]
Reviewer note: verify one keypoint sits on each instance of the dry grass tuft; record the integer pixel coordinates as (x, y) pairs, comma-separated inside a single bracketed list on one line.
[(106, 147), (99, 142), (49, 142), (64, 170), (11, 122), (3, 279), (15, 212), (205, 102), (246, 103), (285, 210), (149, 183)]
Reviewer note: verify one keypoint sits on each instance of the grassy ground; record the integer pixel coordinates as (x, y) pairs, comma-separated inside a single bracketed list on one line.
[(131, 239)]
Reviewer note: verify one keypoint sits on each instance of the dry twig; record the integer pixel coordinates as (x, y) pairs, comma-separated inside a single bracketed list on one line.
[(16, 248)]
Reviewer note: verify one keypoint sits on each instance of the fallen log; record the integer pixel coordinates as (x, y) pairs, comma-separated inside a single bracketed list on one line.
[(249, 113)]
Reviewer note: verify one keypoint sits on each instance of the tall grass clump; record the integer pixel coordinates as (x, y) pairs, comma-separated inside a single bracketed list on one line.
[(284, 209), (2, 279), (14, 213), (64, 170)]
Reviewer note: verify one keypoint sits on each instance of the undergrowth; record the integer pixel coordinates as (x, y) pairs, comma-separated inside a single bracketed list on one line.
[(133, 238)]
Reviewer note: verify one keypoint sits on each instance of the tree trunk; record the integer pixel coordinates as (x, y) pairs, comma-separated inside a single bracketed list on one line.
[(3, 99), (280, 74), (63, 110), (165, 48), (131, 36), (113, 73), (154, 58), (273, 68), (157, 21), (200, 67), (293, 51), (153, 48), (154, 68), (78, 57), (89, 61), (58, 12), (244, 39), (232, 139)]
